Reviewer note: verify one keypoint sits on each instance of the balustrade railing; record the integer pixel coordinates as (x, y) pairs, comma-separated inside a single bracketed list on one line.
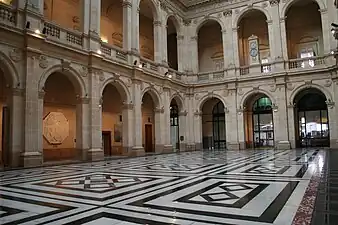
[(148, 64), (63, 35), (114, 52), (6, 14), (306, 62), (244, 70)]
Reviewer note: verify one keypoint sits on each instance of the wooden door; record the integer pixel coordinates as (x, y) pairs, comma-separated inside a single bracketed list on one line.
[(148, 147), (5, 136), (106, 139)]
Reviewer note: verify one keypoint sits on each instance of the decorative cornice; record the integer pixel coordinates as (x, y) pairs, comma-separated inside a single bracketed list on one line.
[(128, 106), (186, 22), (157, 23), (127, 4), (159, 110), (274, 2), (84, 100)]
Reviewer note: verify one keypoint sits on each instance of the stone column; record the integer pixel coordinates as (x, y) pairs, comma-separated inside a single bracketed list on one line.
[(328, 40), (182, 125), (17, 128), (159, 129), (95, 151), (275, 40), (164, 44), (158, 45), (127, 25), (272, 44), (127, 129), (230, 125), (280, 118), (31, 12), (332, 114), (190, 139), (240, 128), (83, 128), (198, 130), (227, 34), (32, 154), (194, 54), (181, 53), (135, 29), (235, 46), (283, 38), (291, 124), (138, 131), (91, 24)]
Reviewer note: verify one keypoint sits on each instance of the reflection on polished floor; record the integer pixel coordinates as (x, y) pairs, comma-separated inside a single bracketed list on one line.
[(210, 187)]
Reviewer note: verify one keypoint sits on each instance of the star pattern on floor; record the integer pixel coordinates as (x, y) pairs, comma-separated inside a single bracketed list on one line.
[(196, 188)]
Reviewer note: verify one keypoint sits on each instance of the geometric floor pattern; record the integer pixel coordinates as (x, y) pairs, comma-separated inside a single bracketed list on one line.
[(191, 188)]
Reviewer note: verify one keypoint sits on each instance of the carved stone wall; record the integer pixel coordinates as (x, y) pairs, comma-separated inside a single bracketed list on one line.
[(55, 128)]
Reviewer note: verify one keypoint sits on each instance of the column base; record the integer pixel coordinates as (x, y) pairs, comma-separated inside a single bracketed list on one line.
[(283, 145), (95, 154), (183, 147), (168, 149), (242, 145), (31, 159), (233, 146), (137, 151), (198, 146), (333, 144)]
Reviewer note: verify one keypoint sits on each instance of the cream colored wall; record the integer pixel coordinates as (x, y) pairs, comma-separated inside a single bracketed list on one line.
[(66, 13), (112, 22), (148, 112), (209, 46), (252, 24), (146, 37), (111, 111), (61, 100), (303, 25)]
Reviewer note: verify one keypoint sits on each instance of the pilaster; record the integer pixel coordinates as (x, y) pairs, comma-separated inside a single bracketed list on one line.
[(240, 127), (235, 46), (231, 123), (290, 110), (158, 44), (95, 151), (127, 25), (32, 154), (180, 52), (127, 127), (83, 128), (138, 147), (194, 54), (197, 125), (92, 23), (182, 119), (166, 121), (228, 50), (332, 114), (329, 43), (283, 38), (274, 27), (17, 128)]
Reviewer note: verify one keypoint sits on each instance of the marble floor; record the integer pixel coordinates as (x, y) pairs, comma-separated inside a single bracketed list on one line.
[(210, 187)]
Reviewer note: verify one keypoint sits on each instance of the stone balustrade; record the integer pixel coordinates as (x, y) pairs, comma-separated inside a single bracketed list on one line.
[(7, 16)]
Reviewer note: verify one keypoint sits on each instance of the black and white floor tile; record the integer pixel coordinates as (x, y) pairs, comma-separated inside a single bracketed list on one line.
[(210, 187)]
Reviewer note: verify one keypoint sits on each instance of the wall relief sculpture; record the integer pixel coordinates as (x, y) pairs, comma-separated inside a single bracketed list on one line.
[(55, 128)]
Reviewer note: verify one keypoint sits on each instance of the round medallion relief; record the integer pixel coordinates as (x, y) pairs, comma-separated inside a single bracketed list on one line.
[(55, 128)]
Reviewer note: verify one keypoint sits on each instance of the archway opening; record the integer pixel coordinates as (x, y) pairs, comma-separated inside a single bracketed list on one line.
[(172, 44), (210, 47), (253, 29), (174, 125), (60, 119), (71, 13), (312, 121), (258, 120), (5, 121), (112, 119), (146, 31), (148, 119), (213, 124), (112, 22), (304, 31)]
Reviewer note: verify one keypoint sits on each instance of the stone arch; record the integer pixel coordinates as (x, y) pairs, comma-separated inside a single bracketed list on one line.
[(120, 86), (152, 4), (208, 19), (179, 100), (289, 4), (249, 94), (301, 88), (156, 97), (206, 97), (242, 13), (9, 70), (175, 22), (72, 75)]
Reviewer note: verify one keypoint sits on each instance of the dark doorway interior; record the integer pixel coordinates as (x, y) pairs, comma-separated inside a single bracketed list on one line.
[(148, 138), (106, 140)]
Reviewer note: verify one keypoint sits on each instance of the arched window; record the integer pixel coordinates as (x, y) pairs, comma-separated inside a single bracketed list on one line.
[(174, 126), (218, 120), (262, 123)]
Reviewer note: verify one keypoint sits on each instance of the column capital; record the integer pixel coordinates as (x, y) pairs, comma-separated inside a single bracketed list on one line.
[(126, 4), (198, 113), (235, 29), (41, 94), (159, 110), (194, 38), (157, 23), (224, 31), (128, 106), (183, 113), (17, 92), (180, 37), (323, 11), (269, 22), (83, 100)]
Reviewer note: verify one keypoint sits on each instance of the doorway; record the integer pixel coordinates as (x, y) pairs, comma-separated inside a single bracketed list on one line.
[(174, 126), (106, 140), (148, 146), (5, 136), (312, 126)]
